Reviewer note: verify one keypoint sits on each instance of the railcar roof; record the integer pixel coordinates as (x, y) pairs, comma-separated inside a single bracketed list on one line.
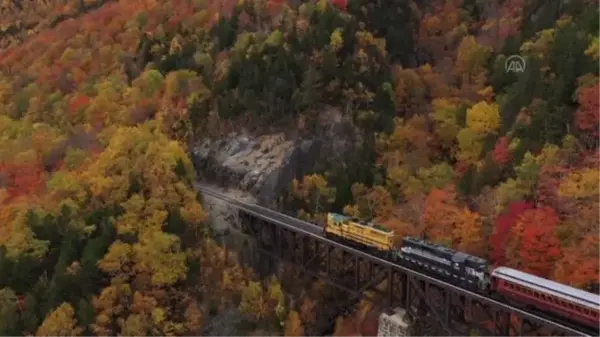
[(565, 292), (459, 256), (419, 241), (341, 218)]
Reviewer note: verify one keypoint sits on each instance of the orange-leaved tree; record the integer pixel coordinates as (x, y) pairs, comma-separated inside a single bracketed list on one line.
[(447, 222), (579, 266), (535, 247)]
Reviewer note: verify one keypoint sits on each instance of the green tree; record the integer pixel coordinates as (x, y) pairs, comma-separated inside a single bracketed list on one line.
[(8, 312)]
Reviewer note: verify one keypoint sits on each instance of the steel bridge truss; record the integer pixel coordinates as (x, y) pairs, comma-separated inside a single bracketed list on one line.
[(340, 266)]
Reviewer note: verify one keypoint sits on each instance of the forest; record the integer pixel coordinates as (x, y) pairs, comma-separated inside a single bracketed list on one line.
[(103, 233)]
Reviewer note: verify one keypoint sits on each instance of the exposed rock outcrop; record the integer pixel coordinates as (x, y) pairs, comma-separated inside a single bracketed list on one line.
[(261, 166), (266, 165)]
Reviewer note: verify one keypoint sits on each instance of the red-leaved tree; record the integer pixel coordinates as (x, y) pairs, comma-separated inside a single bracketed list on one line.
[(502, 154), (588, 115), (22, 180), (502, 230), (534, 247)]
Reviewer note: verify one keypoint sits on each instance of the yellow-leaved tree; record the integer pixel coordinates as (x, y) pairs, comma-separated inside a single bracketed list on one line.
[(483, 118), (60, 322), (445, 114), (144, 160), (314, 195)]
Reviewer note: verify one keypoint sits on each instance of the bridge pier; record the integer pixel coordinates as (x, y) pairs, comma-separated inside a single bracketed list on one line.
[(394, 323)]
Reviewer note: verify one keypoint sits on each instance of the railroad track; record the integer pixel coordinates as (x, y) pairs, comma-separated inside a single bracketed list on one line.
[(316, 232)]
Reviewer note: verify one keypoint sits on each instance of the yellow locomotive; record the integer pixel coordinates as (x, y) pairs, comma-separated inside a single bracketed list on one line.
[(361, 232)]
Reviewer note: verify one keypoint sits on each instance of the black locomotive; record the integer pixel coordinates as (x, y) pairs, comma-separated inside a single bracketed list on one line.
[(465, 270)]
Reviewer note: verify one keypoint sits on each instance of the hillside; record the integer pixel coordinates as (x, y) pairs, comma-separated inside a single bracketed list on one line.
[(100, 226)]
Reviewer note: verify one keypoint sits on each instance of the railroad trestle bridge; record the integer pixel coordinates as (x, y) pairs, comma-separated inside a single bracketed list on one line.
[(354, 271)]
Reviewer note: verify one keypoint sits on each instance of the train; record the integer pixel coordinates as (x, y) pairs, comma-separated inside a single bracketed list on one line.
[(473, 273)]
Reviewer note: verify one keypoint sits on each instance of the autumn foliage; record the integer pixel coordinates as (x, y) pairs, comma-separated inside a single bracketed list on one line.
[(448, 223), (537, 247), (22, 179), (587, 116), (502, 154), (503, 229), (101, 230)]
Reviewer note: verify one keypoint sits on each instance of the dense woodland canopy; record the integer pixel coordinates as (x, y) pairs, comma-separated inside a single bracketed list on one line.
[(102, 232)]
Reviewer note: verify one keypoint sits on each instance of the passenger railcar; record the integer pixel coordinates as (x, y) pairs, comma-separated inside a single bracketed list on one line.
[(546, 295), (364, 233), (468, 271)]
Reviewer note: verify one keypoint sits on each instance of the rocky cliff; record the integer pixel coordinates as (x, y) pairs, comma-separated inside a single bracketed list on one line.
[(265, 165)]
